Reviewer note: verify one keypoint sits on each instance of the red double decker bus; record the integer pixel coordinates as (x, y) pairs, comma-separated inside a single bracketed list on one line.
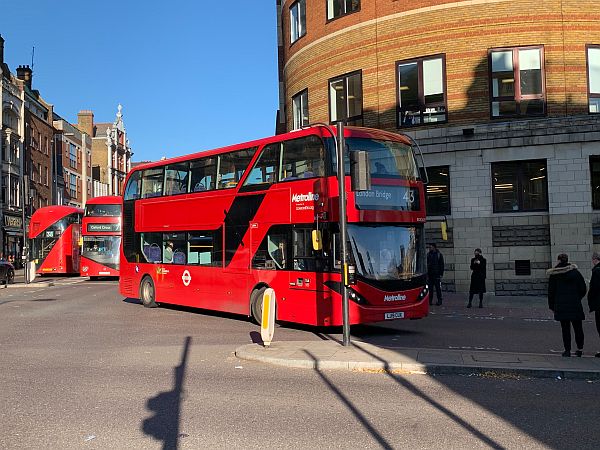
[(214, 229), (101, 232), (54, 239)]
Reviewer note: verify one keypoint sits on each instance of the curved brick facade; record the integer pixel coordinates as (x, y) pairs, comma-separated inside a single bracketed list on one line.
[(386, 31), (549, 162)]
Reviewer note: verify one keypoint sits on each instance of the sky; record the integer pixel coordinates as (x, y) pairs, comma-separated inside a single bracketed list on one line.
[(191, 75)]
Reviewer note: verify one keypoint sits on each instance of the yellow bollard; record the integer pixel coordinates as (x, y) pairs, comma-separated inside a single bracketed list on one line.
[(267, 325)]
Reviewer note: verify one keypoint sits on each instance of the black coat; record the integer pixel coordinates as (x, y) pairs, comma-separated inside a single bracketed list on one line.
[(566, 288), (478, 275), (435, 264), (593, 296)]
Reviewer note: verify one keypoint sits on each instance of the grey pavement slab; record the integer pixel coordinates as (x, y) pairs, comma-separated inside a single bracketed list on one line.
[(329, 354)]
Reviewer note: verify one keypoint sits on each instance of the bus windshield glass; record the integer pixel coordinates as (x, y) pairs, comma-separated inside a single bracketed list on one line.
[(41, 246), (102, 210), (102, 249), (387, 252), (388, 159), (43, 242)]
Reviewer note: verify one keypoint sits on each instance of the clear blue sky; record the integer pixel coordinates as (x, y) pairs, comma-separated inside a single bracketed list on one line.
[(191, 75)]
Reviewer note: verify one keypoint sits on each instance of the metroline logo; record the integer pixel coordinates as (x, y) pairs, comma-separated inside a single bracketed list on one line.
[(310, 197), (394, 298)]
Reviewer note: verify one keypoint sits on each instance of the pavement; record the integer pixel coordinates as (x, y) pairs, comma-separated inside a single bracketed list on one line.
[(41, 281), (329, 353)]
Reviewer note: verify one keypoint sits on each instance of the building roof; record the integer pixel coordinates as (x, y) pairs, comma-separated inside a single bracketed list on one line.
[(100, 128)]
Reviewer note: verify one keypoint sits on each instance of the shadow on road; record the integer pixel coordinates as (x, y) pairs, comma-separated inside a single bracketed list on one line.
[(353, 409), (32, 300), (164, 424), (486, 440)]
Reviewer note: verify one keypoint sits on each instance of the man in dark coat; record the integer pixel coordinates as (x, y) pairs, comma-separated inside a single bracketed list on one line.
[(566, 288), (435, 271), (478, 263), (593, 296)]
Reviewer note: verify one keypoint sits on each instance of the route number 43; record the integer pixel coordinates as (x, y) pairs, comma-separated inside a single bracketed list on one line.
[(409, 196)]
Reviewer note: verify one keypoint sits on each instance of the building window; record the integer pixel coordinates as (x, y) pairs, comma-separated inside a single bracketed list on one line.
[(593, 62), (595, 178), (297, 20), (520, 186), (300, 109), (345, 99), (73, 185), (517, 82), (72, 156), (438, 191), (421, 91), (338, 8)]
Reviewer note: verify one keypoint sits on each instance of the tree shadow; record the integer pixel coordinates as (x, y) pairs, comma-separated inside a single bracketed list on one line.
[(164, 424)]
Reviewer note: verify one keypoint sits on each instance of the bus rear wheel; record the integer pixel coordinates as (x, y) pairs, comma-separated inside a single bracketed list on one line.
[(256, 303), (148, 293)]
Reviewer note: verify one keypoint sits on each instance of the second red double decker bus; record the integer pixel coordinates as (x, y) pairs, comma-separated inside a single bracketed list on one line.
[(214, 229), (54, 239), (101, 232)]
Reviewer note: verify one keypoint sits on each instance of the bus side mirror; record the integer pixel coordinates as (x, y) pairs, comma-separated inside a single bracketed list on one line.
[(360, 170), (423, 175), (316, 240)]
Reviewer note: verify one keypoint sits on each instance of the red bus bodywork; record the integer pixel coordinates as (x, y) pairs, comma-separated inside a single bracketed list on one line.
[(54, 233), (240, 220), (101, 232)]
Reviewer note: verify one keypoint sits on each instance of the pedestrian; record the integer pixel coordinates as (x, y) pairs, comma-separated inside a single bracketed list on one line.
[(168, 252), (566, 288), (593, 296), (435, 271), (478, 267)]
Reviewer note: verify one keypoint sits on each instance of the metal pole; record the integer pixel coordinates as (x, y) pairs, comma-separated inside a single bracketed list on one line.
[(343, 231), (25, 247)]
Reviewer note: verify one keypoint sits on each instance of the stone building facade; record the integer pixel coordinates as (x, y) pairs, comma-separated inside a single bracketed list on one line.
[(111, 152), (12, 138), (503, 98)]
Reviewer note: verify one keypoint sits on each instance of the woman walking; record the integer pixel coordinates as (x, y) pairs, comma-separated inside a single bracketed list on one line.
[(566, 288), (477, 278)]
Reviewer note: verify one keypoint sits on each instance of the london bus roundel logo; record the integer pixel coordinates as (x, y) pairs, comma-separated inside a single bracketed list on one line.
[(186, 278)]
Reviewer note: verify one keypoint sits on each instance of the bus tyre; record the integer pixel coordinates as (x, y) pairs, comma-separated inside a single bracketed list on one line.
[(256, 302), (147, 293)]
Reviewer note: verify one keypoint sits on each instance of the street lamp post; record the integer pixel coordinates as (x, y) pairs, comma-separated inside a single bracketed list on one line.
[(343, 220)]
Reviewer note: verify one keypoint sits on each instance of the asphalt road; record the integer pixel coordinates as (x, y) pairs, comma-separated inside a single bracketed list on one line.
[(82, 367)]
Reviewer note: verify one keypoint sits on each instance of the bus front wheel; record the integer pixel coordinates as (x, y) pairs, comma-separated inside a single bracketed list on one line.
[(256, 302), (148, 293)]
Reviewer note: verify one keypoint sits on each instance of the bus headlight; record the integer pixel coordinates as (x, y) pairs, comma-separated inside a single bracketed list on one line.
[(423, 293), (356, 297)]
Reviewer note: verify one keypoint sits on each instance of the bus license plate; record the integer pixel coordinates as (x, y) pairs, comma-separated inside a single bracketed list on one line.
[(394, 315)]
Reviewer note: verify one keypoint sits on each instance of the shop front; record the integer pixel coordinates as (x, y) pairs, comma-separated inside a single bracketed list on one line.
[(12, 238)]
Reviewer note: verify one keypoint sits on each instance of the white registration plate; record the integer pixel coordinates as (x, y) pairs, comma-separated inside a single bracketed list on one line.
[(394, 315)]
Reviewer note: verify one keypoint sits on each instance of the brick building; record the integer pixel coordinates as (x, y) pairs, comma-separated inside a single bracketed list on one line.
[(503, 97), (39, 134), (74, 163)]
